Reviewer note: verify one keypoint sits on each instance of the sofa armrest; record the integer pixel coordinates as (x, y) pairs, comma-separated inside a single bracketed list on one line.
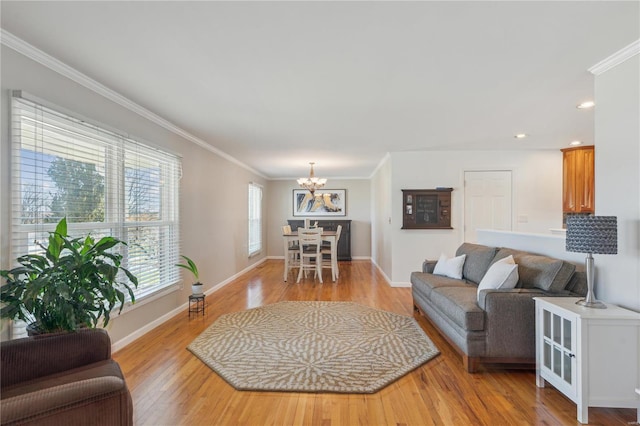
[(105, 395), (428, 266), (33, 357)]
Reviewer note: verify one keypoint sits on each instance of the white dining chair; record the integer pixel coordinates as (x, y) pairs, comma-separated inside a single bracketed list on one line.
[(310, 242), (293, 251), (331, 261)]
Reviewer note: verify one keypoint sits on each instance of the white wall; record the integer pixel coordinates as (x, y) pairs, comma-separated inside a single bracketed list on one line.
[(381, 225), (279, 204), (213, 199), (537, 194), (617, 158)]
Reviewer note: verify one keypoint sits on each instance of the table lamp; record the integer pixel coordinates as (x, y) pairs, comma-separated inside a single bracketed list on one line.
[(592, 235)]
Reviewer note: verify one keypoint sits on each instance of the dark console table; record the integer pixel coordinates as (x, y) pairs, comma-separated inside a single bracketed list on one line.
[(344, 244)]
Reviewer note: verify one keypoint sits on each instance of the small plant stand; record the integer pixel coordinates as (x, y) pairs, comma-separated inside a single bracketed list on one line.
[(196, 304)]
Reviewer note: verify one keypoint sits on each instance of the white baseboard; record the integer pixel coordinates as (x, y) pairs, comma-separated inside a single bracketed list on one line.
[(180, 309), (388, 280), (147, 328)]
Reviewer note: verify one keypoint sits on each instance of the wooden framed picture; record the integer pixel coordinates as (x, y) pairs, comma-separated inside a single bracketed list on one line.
[(327, 202)]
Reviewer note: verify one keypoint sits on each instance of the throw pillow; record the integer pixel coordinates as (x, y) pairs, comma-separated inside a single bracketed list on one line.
[(502, 274), (509, 260), (451, 268)]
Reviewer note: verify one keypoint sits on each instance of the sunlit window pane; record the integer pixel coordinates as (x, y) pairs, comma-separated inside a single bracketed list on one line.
[(102, 182)]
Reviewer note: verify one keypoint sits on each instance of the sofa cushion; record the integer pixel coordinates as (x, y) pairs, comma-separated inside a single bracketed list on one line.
[(424, 283), (460, 305), (477, 262), (578, 282), (451, 268), (539, 271)]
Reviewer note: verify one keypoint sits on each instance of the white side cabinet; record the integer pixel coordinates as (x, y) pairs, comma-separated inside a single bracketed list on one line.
[(590, 355)]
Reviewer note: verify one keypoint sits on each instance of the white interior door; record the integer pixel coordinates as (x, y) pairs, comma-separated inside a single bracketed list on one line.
[(487, 201)]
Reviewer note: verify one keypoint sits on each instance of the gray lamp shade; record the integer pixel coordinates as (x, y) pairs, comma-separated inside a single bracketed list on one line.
[(592, 234)]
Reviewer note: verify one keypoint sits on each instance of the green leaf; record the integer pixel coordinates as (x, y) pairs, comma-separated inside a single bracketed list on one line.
[(190, 266), (88, 243), (61, 228), (106, 243), (131, 277)]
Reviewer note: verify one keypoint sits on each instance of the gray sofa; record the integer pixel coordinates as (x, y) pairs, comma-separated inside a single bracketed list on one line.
[(495, 326)]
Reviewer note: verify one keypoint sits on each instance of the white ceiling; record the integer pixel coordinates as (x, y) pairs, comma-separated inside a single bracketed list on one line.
[(279, 84)]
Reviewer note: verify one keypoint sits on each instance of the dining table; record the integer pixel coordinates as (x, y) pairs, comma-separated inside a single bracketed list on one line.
[(329, 236)]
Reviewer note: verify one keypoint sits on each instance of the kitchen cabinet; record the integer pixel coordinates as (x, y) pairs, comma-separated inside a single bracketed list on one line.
[(578, 180)]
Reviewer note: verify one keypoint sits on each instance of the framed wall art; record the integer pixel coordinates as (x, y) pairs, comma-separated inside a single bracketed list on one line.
[(426, 208), (326, 202)]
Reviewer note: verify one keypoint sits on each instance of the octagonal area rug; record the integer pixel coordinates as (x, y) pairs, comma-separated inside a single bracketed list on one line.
[(313, 347)]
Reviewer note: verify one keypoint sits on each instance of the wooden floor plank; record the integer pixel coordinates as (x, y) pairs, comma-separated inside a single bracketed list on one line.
[(170, 386)]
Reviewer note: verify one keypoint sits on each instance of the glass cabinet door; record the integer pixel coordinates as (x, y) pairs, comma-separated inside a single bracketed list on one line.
[(557, 346)]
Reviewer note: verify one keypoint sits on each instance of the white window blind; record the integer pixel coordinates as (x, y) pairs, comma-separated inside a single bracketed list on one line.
[(102, 182), (255, 219)]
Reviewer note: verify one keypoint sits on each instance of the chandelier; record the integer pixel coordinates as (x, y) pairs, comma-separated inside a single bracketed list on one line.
[(312, 182)]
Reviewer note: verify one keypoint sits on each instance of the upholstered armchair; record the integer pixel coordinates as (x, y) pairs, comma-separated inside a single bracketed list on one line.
[(63, 379)]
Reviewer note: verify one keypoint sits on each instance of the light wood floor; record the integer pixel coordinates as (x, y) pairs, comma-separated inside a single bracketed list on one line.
[(170, 386)]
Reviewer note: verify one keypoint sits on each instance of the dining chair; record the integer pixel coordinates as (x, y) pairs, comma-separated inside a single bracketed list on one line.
[(310, 242), (330, 261), (293, 251), (307, 224), (316, 230)]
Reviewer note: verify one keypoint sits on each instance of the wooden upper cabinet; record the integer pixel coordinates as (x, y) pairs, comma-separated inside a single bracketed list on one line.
[(578, 180)]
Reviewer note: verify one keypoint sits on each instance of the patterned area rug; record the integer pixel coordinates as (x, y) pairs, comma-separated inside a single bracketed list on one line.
[(313, 347)]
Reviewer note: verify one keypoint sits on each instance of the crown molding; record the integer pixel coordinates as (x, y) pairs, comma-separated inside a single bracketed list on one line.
[(32, 52), (616, 59), (384, 159)]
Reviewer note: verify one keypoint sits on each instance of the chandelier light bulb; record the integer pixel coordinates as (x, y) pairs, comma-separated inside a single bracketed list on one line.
[(312, 183), (586, 105)]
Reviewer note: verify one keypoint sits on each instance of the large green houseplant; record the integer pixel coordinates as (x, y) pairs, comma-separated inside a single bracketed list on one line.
[(74, 284)]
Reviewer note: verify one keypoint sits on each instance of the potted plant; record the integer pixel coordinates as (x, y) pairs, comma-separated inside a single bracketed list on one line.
[(196, 288), (74, 284)]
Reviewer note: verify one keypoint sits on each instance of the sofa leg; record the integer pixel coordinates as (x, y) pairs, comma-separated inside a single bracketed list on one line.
[(470, 364)]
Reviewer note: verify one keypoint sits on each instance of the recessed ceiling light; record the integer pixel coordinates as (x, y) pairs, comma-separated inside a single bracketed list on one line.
[(576, 143), (586, 105), (520, 136)]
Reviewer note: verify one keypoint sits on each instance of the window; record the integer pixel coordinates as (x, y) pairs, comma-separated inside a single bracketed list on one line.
[(255, 219), (102, 182)]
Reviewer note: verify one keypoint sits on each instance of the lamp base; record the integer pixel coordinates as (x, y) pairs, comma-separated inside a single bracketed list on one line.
[(591, 304), (590, 300)]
